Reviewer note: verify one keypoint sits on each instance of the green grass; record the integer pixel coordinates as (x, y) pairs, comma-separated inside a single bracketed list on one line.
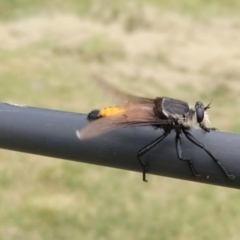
[(202, 8), (45, 198), (18, 8)]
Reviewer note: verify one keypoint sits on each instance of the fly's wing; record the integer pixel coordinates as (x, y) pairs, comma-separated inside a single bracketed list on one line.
[(132, 115), (118, 95)]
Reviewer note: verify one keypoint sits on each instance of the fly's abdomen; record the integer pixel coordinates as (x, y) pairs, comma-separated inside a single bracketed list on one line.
[(105, 112), (93, 115)]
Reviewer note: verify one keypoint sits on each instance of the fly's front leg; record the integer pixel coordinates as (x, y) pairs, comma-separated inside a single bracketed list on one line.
[(203, 126), (192, 139)]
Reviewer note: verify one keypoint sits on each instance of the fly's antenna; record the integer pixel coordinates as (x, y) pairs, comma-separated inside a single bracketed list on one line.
[(208, 106)]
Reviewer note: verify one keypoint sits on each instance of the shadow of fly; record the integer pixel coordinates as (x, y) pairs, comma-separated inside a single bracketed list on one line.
[(162, 112)]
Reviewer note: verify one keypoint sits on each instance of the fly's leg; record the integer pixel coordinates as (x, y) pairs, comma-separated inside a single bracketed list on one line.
[(202, 126), (145, 150), (179, 153), (192, 139)]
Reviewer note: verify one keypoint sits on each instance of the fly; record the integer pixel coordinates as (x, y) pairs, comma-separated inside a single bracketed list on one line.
[(162, 113)]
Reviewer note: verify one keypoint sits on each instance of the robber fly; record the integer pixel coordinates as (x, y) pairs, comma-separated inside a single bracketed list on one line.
[(162, 112)]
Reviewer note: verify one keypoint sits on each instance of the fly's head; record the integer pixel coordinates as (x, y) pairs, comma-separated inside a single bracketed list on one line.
[(200, 109)]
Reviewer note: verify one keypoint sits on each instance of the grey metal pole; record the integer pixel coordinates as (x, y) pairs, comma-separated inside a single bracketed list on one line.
[(52, 133)]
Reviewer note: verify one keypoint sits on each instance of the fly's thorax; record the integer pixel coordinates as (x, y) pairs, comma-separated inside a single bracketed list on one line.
[(182, 114), (175, 110)]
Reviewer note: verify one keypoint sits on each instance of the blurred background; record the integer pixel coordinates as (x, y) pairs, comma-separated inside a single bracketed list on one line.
[(48, 52)]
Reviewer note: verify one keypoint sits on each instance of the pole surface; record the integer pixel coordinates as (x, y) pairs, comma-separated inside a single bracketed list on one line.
[(52, 133)]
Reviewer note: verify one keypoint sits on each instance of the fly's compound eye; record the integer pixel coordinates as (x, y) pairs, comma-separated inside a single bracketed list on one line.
[(199, 111)]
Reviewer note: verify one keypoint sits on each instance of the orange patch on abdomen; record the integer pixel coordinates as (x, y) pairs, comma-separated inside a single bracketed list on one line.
[(106, 112)]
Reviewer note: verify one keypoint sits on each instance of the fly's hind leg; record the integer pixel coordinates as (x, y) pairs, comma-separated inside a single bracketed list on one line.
[(145, 150), (179, 154)]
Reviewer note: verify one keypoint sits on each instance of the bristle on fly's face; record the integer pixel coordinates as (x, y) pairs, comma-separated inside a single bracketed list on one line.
[(206, 119)]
